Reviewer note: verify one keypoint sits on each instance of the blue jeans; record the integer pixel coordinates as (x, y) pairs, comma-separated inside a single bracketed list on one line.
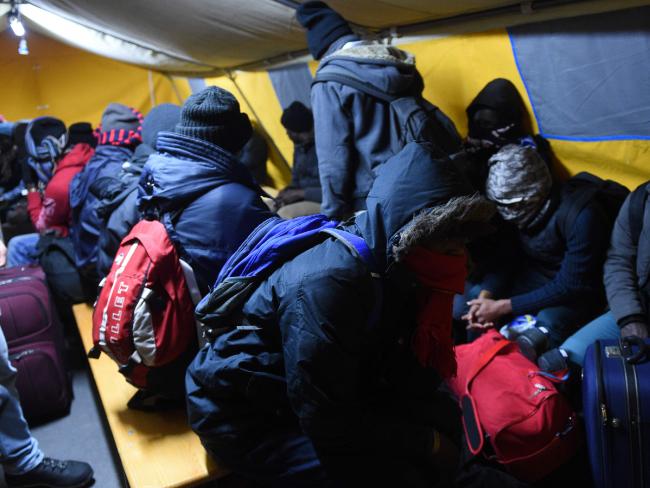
[(22, 250), (600, 329), (19, 451)]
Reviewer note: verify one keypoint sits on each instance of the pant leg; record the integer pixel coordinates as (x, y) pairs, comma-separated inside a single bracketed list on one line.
[(563, 320), (602, 328), (19, 451), (22, 250), (299, 209)]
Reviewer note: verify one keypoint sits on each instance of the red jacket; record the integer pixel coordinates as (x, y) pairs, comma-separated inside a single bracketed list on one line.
[(52, 209)]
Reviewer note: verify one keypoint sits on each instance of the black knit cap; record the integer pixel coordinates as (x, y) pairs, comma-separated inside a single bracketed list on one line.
[(324, 26), (81, 132), (297, 118), (213, 115)]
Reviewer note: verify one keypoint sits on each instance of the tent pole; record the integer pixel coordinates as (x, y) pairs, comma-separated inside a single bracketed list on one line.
[(233, 78), (175, 88)]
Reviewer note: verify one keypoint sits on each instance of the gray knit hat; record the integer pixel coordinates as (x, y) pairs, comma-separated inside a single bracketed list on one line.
[(213, 115)]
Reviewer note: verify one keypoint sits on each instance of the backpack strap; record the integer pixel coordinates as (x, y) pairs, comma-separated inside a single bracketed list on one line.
[(359, 247), (636, 210), (354, 83), (576, 203)]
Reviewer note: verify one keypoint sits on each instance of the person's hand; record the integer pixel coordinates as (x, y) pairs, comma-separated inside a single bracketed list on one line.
[(289, 196), (638, 329), (28, 174), (487, 311), (3, 254), (470, 317)]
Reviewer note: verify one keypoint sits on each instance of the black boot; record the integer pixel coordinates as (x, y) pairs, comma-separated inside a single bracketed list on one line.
[(52, 473)]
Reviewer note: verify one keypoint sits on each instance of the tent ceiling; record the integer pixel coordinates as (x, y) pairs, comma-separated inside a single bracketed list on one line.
[(206, 36)]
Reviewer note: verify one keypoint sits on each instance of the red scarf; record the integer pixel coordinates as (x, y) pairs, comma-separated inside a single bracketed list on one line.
[(440, 277)]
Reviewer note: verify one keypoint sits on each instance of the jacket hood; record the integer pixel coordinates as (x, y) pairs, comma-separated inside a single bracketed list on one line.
[(502, 96), (184, 169), (413, 180), (387, 68)]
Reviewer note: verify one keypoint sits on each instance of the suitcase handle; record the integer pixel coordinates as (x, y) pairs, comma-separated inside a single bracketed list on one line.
[(626, 348)]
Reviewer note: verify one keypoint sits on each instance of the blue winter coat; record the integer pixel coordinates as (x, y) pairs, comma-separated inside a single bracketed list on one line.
[(86, 223), (320, 388), (354, 131), (207, 200)]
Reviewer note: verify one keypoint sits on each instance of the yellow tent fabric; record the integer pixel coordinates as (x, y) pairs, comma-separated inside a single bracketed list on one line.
[(73, 85), (454, 69)]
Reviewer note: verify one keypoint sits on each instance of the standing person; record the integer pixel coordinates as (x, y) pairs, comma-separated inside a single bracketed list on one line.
[(356, 132), (303, 195), (23, 462), (337, 372), (627, 283), (195, 185)]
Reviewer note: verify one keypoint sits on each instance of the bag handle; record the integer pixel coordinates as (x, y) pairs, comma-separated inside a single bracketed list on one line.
[(630, 356), (485, 358)]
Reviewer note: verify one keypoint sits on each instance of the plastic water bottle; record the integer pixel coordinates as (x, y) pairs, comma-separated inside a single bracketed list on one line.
[(511, 330)]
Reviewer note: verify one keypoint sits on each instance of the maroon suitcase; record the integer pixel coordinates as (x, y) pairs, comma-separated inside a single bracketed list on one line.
[(34, 337)]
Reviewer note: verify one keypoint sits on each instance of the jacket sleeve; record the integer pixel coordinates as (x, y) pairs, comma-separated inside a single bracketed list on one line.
[(325, 380), (581, 269), (34, 206), (334, 149), (621, 280)]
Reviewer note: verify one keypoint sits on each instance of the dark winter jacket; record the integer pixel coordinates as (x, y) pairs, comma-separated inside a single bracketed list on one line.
[(627, 269), (317, 360), (304, 173), (354, 131), (118, 207), (86, 223), (207, 200), (51, 210)]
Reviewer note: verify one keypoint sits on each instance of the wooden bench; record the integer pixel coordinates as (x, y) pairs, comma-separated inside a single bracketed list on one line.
[(155, 449)]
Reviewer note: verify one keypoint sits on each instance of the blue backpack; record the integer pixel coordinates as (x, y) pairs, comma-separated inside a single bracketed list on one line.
[(274, 242), (86, 224)]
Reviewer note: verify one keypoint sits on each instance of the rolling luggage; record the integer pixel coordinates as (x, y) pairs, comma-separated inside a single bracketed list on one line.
[(33, 334), (616, 396)]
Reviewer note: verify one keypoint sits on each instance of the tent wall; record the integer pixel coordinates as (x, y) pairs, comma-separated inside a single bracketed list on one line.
[(455, 68), (58, 80)]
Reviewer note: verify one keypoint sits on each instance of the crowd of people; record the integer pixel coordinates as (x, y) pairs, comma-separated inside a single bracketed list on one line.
[(417, 240)]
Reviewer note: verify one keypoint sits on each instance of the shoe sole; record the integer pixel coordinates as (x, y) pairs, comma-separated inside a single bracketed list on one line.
[(82, 484)]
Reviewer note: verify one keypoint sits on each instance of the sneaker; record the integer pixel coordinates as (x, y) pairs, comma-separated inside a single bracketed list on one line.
[(52, 473), (554, 361), (533, 342)]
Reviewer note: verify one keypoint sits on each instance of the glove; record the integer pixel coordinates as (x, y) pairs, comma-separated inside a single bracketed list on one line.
[(29, 175), (638, 329)]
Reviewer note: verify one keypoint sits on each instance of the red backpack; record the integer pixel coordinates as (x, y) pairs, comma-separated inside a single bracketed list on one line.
[(531, 428), (144, 315)]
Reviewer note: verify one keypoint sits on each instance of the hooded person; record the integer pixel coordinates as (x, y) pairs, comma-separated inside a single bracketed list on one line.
[(553, 269), (496, 118), (338, 369), (118, 207), (355, 131), (119, 134), (195, 185), (304, 194)]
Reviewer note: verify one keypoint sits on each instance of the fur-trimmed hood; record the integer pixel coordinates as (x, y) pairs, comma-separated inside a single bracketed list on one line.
[(415, 199), (387, 68)]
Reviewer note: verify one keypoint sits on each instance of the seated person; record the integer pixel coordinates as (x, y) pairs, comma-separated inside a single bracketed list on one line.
[(627, 270), (303, 195), (196, 186), (554, 268), (254, 155), (46, 142), (496, 118), (22, 461), (329, 388)]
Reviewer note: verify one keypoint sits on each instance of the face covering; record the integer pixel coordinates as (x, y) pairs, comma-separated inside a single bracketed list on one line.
[(440, 277)]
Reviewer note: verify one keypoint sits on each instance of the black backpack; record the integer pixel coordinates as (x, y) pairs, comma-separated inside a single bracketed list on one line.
[(584, 188), (417, 119)]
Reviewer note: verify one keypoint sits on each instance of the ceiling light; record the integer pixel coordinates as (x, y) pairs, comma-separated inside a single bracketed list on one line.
[(15, 23), (23, 50)]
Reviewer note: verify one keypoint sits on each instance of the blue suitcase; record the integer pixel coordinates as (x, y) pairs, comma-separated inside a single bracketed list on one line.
[(616, 396)]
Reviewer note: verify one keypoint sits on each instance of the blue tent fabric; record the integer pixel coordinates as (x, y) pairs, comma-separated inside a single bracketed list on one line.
[(599, 88), (292, 83)]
